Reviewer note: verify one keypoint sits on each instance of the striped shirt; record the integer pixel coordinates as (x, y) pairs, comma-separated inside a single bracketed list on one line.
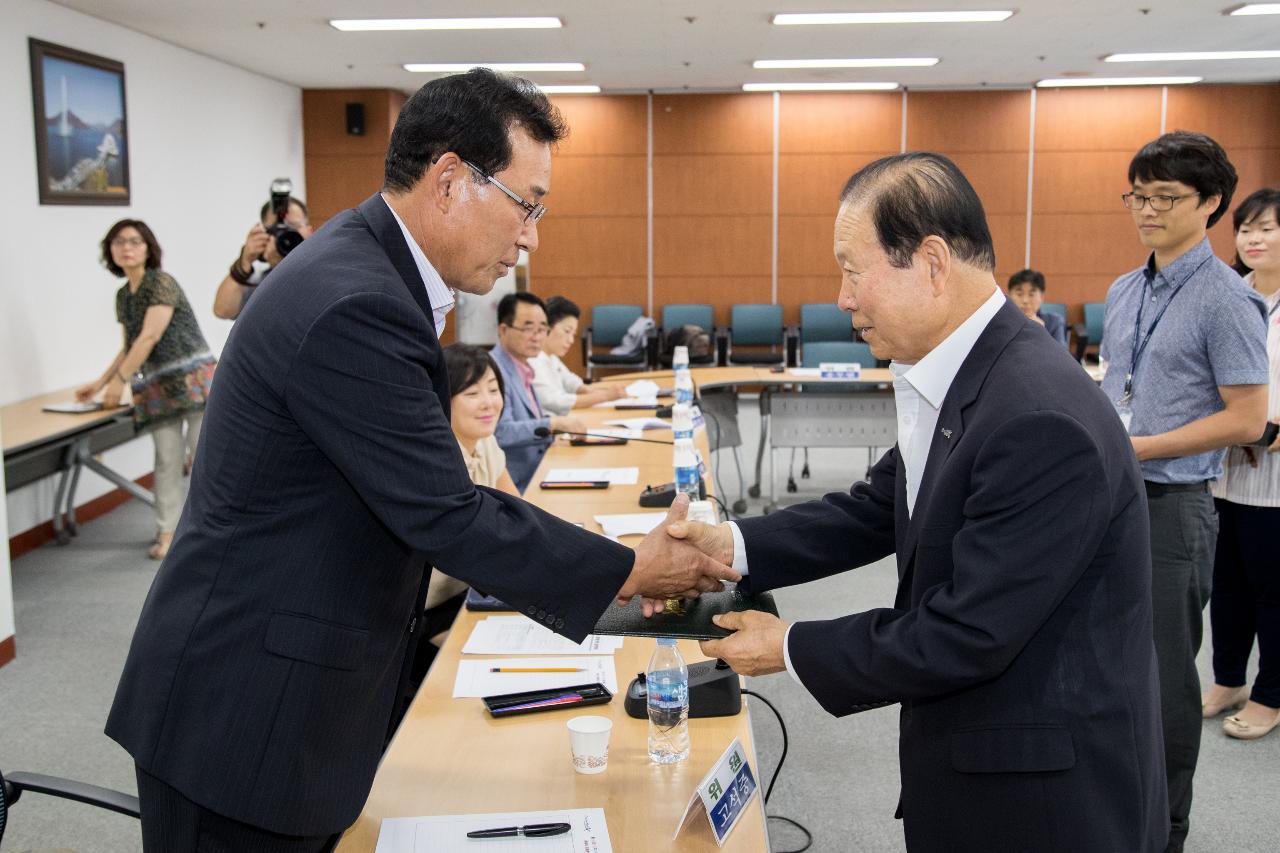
[(1253, 477)]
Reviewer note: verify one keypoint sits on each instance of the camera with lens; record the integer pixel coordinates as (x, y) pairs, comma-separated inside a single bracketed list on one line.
[(287, 239)]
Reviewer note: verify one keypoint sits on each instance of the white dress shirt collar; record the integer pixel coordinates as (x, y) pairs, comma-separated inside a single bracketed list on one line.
[(439, 294), (932, 375)]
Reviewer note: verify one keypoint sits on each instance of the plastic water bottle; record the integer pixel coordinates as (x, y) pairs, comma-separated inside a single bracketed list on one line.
[(684, 386), (682, 421), (686, 465), (667, 686), (680, 359)]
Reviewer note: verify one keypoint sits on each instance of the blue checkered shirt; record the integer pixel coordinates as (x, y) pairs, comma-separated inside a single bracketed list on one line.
[(1213, 333)]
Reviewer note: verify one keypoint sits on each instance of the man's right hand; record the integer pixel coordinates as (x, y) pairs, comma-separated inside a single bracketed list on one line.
[(255, 243), (666, 567), (714, 540)]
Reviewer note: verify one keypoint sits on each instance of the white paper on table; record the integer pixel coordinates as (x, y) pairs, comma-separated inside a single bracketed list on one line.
[(615, 432), (475, 680), (615, 476), (627, 401), (805, 371), (448, 833), (644, 388), (520, 635), (640, 423), (625, 524), (73, 407)]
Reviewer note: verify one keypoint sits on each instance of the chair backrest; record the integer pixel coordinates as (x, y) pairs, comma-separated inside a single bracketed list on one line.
[(691, 314), (1093, 317), (610, 322), (840, 352), (757, 325), (1058, 308), (824, 321)]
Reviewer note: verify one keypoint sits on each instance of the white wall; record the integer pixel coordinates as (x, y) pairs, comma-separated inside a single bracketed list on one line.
[(205, 140), (6, 578)]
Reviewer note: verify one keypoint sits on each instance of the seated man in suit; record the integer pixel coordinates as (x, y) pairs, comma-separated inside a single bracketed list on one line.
[(522, 327), (1026, 290), (1020, 641), (276, 640)]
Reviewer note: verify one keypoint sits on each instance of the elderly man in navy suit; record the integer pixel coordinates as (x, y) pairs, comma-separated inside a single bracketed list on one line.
[(1020, 642), (524, 427), (272, 649)]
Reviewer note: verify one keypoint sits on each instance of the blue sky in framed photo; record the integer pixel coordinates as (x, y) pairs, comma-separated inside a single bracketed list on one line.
[(93, 95)]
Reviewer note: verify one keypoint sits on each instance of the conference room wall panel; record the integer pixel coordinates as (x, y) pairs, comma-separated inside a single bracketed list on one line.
[(711, 246), (797, 290), (608, 246), (977, 122), (840, 123), (712, 124), (999, 177), (806, 246), (338, 179), (1104, 244), (810, 184), (1080, 181), (713, 185), (616, 124), (1119, 119), (1236, 116), (602, 185), (1009, 235)]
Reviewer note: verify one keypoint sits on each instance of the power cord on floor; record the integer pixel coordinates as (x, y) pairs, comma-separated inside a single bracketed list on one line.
[(774, 778), (716, 469)]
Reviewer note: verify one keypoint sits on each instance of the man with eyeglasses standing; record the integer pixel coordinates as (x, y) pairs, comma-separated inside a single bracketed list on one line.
[(522, 328), (272, 649), (1185, 341)]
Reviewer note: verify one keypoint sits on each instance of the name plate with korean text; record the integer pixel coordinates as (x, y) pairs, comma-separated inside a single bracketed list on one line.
[(724, 793)]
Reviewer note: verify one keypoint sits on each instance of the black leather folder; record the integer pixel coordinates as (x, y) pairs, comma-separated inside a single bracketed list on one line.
[(694, 623)]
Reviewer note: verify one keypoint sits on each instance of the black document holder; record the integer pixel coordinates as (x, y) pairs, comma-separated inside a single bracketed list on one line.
[(592, 694), (693, 624)]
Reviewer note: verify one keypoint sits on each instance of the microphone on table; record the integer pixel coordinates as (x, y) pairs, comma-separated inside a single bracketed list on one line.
[(545, 432)]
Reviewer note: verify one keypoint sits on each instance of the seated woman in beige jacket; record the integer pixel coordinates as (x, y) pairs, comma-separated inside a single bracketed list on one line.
[(475, 403)]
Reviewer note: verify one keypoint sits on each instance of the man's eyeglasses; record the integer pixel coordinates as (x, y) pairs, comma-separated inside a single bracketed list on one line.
[(531, 330), (532, 212), (1159, 203)]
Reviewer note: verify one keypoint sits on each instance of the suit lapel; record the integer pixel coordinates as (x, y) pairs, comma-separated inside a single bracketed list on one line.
[(377, 215), (963, 393)]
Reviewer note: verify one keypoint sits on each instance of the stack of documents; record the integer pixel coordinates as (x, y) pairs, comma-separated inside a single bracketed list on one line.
[(630, 523)]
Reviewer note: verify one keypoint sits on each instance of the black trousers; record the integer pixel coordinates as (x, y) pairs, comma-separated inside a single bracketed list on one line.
[(171, 823), (1184, 530), (1246, 599)]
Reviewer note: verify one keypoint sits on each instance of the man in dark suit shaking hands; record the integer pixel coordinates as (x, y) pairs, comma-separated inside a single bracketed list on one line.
[(271, 650), (1019, 644)]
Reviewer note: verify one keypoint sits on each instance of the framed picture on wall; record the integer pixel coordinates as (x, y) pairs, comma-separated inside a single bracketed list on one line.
[(82, 137)]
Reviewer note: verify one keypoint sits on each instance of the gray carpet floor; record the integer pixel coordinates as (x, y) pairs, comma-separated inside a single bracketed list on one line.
[(77, 607)]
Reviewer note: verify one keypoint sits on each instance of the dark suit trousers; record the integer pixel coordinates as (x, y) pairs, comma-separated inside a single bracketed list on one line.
[(1246, 599), (1184, 531), (171, 823)]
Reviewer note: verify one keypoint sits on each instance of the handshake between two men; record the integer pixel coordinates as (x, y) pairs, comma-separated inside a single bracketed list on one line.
[(682, 559)]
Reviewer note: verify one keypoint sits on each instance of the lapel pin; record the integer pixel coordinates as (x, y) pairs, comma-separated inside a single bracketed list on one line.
[(946, 433)]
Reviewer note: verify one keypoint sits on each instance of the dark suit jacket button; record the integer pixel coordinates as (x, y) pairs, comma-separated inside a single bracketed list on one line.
[(532, 610), (559, 623), (542, 615)]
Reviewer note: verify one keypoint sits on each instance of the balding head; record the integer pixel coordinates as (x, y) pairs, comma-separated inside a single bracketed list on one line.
[(911, 196)]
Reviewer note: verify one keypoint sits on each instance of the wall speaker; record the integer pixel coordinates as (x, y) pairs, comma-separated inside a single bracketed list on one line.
[(355, 119)]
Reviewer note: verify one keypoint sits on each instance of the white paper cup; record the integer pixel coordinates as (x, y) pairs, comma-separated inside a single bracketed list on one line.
[(589, 743)]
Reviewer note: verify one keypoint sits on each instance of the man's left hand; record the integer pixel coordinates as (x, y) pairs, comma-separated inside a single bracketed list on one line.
[(755, 648)]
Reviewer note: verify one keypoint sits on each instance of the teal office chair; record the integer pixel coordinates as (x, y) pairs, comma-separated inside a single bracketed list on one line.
[(819, 321), (608, 324), (842, 352), (756, 326), (1089, 333), (690, 314), (1058, 308)]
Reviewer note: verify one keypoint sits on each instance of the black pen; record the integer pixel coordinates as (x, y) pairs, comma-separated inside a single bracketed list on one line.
[(533, 830)]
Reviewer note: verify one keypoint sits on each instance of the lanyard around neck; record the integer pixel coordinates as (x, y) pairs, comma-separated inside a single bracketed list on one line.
[(1140, 347)]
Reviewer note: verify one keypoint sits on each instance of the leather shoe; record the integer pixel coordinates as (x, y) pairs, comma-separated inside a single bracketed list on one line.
[(1235, 727), (1235, 702)]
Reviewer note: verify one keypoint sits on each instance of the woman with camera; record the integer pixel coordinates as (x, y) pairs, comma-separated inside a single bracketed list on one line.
[(164, 359)]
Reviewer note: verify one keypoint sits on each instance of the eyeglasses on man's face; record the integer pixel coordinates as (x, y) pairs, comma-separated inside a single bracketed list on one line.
[(1159, 203), (531, 330), (532, 212)]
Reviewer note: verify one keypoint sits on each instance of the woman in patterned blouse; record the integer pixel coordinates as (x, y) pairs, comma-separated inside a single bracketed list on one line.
[(165, 360)]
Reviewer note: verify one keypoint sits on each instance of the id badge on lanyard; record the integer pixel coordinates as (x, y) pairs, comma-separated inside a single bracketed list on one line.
[(1124, 409)]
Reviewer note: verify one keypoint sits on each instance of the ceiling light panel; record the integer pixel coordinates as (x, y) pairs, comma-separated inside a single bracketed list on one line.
[(1193, 56), (459, 67), (1256, 9), (1062, 83), (400, 24), (942, 17), (819, 87), (900, 62)]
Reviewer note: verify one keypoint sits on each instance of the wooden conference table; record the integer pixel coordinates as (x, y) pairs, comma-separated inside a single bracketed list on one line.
[(450, 757), (39, 444)]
